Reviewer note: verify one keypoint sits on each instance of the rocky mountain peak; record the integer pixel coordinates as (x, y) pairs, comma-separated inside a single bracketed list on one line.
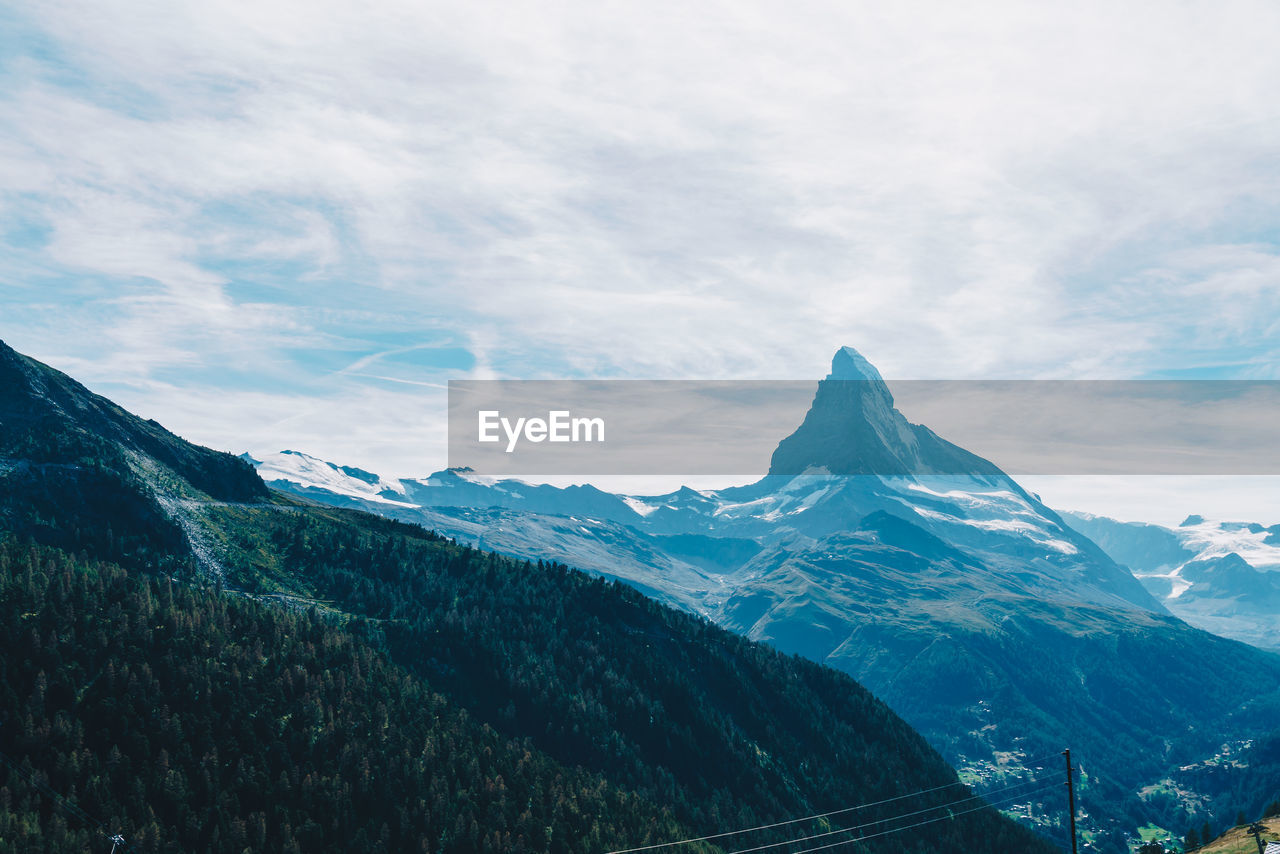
[(852, 427)]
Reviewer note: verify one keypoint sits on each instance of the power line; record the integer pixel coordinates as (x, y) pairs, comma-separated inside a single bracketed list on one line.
[(881, 821), (949, 817), (777, 824), (782, 823), (851, 828)]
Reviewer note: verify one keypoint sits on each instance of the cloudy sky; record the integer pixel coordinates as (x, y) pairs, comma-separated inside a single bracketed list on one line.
[(272, 224)]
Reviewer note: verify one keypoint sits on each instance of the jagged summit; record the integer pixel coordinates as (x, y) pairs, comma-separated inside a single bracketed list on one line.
[(849, 364), (852, 427)]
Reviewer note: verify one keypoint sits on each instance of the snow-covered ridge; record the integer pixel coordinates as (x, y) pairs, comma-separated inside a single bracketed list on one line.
[(306, 471), (1210, 539), (1219, 575)]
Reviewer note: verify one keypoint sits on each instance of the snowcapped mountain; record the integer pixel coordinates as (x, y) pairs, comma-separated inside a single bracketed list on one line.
[(121, 543), (1222, 576), (975, 611), (294, 471), (854, 455)]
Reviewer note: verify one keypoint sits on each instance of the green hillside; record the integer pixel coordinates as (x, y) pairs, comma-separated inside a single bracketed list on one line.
[(206, 670), (192, 720)]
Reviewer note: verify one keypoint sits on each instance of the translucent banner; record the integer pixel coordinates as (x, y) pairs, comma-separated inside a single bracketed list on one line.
[(718, 427)]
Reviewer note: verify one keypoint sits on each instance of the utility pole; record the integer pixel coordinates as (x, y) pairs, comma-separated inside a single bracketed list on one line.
[(1257, 830), (1071, 799), (116, 841)]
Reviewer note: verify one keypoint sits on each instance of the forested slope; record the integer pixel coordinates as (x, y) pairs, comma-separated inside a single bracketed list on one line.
[(208, 668)]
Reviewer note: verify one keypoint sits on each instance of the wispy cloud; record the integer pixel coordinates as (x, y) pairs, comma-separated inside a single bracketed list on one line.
[(234, 199)]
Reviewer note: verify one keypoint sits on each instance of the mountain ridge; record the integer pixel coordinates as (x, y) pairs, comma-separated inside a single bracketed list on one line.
[(1027, 634), (1219, 575), (55, 404), (201, 711)]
